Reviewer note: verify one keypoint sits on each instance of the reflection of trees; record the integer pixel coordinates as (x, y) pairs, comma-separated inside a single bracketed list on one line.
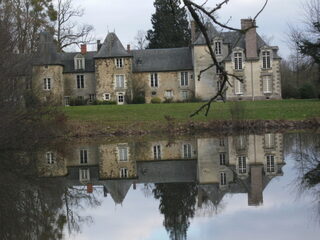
[(307, 157), (177, 203)]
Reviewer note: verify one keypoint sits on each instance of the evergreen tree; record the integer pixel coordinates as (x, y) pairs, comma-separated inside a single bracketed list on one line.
[(170, 25)]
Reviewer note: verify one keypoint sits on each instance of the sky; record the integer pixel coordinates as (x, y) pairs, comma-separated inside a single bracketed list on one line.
[(126, 17)]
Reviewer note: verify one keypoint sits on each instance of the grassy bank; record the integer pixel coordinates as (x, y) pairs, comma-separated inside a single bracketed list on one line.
[(152, 116)]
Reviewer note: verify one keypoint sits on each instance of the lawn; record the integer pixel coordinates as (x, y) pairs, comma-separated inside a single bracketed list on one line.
[(154, 113)]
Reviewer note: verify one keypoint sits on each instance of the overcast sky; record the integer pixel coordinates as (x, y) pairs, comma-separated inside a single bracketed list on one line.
[(126, 17)]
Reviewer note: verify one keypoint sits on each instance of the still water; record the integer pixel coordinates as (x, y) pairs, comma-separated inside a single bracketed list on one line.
[(262, 186)]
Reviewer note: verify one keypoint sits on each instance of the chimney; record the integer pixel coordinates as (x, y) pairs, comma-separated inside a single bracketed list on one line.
[(83, 49), (98, 45), (255, 197), (128, 48), (89, 188), (250, 37), (193, 31)]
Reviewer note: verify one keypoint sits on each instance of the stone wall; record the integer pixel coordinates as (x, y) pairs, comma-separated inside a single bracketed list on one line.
[(70, 85)]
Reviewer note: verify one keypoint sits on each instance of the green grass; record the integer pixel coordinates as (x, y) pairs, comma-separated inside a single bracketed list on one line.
[(154, 113)]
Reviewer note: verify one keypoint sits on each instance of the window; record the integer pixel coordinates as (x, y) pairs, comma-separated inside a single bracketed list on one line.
[(222, 157), (84, 174), (50, 157), (92, 97), (242, 164), (119, 62), (267, 84), (184, 81), (241, 142), (223, 178), (217, 47), (119, 81), (83, 156), (67, 101), (154, 80), (123, 154), (79, 63), (186, 150), (221, 142), (106, 96), (238, 87), (168, 94), (266, 62), (120, 98), (157, 152), (270, 163), (218, 71), (47, 83), (80, 81), (269, 140), (238, 60), (184, 95), (123, 172), (218, 85)]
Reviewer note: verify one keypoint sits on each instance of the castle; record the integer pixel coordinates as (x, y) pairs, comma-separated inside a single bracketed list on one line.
[(113, 73)]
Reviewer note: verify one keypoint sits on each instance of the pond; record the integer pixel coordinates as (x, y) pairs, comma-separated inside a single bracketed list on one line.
[(244, 186)]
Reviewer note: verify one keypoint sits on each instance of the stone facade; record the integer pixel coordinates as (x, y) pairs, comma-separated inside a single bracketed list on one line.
[(113, 73)]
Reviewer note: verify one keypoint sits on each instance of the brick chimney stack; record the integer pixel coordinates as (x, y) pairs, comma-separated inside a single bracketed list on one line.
[(83, 49), (128, 48), (250, 38)]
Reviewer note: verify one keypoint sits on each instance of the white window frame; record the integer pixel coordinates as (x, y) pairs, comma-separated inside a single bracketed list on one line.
[(266, 59), (84, 175), (218, 47), (238, 87), (107, 96), (156, 150), (67, 100), (80, 81), (269, 140), (223, 178), (119, 62), (120, 98), (242, 163), (238, 60), (124, 173), (120, 78), (267, 84), (184, 94), (223, 158), (154, 80), (50, 157), (92, 97), (83, 156), (168, 94), (184, 79), (221, 142), (217, 69), (123, 153), (79, 63), (270, 159), (47, 84), (186, 151)]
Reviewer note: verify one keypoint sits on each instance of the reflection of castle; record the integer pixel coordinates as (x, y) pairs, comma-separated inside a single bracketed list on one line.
[(241, 164)]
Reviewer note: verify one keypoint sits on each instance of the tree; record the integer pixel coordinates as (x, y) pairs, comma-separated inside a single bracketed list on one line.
[(170, 25), (68, 32), (140, 40)]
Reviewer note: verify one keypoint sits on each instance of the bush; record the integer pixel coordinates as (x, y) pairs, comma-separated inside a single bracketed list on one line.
[(138, 100), (168, 100), (75, 101), (103, 102), (289, 91), (155, 100), (307, 91)]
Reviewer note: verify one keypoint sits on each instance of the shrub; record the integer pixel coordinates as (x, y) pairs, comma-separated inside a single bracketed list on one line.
[(75, 101), (168, 100), (139, 100), (289, 91), (103, 102), (307, 91), (155, 100)]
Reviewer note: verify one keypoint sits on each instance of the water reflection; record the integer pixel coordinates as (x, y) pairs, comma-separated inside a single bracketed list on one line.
[(185, 174)]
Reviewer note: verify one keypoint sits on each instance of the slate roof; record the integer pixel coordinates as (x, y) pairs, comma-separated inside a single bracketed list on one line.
[(67, 59), (112, 47), (159, 60), (118, 189), (47, 53)]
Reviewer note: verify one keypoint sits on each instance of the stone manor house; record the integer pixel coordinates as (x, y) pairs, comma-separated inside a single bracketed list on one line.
[(111, 72)]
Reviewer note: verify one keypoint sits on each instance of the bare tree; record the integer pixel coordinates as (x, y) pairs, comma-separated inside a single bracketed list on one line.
[(199, 13), (140, 40), (67, 31)]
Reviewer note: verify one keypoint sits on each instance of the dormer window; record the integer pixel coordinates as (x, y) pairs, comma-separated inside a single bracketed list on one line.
[(119, 62), (79, 62), (266, 59), (218, 48), (238, 61)]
